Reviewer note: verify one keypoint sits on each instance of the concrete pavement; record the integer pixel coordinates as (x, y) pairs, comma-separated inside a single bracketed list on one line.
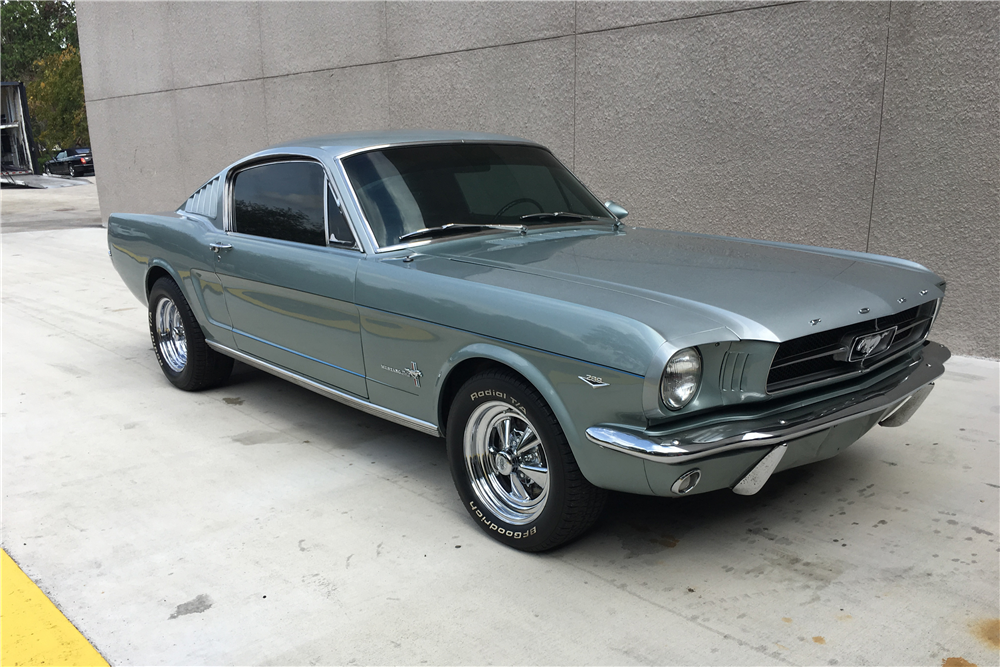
[(70, 203), (260, 523)]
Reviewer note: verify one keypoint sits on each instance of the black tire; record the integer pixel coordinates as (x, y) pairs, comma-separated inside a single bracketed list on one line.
[(501, 484), (72, 172), (184, 356)]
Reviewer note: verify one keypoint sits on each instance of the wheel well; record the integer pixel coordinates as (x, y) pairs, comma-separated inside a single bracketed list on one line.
[(457, 377), (155, 274)]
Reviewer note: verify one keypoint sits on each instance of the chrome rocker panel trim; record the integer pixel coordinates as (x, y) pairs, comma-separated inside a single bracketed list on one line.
[(329, 392), (703, 441)]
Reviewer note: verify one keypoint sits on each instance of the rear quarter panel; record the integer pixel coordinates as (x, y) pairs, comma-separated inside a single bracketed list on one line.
[(178, 245)]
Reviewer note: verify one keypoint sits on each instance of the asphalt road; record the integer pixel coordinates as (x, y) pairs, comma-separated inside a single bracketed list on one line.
[(259, 523)]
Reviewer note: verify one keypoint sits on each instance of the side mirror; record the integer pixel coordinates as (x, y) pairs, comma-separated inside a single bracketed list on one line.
[(616, 210)]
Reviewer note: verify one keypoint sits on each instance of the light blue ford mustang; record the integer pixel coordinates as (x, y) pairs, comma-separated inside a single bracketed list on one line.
[(468, 285)]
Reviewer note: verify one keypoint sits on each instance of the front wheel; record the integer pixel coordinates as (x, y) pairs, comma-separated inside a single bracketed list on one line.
[(184, 356), (513, 467)]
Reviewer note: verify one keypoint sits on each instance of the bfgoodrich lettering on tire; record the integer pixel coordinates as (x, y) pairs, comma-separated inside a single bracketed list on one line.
[(184, 357), (512, 466)]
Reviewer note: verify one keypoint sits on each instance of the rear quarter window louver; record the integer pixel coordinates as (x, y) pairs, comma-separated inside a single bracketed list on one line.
[(205, 200)]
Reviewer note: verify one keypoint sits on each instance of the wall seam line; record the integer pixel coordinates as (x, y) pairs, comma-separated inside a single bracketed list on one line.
[(174, 103), (263, 82), (389, 117), (576, 55), (881, 115), (721, 12)]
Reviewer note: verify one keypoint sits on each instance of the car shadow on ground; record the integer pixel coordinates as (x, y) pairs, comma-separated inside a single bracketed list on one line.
[(643, 525), (325, 423), (809, 502)]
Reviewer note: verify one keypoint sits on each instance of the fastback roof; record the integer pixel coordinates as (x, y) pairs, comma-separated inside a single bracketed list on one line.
[(353, 141)]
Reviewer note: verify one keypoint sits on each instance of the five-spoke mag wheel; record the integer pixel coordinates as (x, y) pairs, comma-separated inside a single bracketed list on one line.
[(512, 465), (506, 462), (184, 356), (169, 330)]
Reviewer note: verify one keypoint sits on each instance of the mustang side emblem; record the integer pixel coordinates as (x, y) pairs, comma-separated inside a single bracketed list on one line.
[(869, 344), (412, 372)]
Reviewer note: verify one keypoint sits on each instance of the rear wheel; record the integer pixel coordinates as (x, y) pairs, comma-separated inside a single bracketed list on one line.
[(184, 356), (513, 467)]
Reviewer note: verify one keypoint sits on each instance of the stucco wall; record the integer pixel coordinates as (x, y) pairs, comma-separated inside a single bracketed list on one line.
[(868, 126)]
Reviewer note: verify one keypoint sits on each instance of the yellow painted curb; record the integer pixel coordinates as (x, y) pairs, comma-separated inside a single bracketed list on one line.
[(34, 631)]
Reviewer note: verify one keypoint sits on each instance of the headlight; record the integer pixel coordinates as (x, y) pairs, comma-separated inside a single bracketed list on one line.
[(681, 378)]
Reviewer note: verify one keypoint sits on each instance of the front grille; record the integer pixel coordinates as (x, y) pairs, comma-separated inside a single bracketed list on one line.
[(826, 354)]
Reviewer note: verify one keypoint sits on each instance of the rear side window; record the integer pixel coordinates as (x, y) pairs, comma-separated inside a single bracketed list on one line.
[(281, 200)]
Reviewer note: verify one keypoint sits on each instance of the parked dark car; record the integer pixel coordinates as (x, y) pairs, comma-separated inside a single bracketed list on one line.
[(72, 162)]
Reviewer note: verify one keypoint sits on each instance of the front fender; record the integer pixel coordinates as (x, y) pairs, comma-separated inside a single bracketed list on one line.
[(575, 403), (518, 363)]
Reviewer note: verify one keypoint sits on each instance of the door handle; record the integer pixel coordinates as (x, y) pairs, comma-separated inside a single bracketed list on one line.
[(217, 248)]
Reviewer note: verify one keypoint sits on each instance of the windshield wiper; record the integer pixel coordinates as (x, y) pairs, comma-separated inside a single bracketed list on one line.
[(452, 227), (561, 215)]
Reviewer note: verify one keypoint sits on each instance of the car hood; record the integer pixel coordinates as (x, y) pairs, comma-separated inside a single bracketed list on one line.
[(759, 290)]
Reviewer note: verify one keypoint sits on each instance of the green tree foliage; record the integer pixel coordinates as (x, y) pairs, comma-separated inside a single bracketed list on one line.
[(30, 30), (55, 100)]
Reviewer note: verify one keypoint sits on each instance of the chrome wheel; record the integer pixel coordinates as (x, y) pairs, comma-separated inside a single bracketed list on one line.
[(506, 462), (170, 337)]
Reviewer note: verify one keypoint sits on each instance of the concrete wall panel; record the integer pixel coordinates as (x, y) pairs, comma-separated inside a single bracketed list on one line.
[(125, 48), (308, 36), (341, 100), (423, 28), (760, 123), (140, 162), (218, 125), (473, 90), (937, 200), (169, 45), (221, 42)]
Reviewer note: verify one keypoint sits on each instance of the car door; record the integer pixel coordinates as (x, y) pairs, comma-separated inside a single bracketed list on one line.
[(288, 272), (59, 166)]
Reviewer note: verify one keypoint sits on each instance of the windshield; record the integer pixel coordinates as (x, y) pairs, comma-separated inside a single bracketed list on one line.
[(405, 189)]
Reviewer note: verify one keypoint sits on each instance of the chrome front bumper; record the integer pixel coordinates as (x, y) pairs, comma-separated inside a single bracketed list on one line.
[(897, 396)]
